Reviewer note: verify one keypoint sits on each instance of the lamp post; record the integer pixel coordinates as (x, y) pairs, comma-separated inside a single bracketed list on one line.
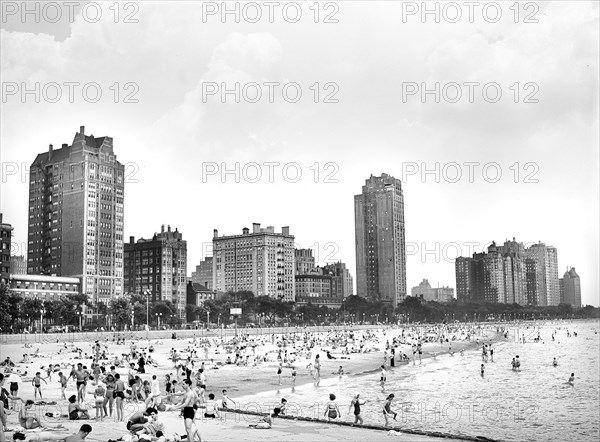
[(158, 315), (80, 314), (42, 313), (207, 319), (147, 293), (218, 320), (132, 320)]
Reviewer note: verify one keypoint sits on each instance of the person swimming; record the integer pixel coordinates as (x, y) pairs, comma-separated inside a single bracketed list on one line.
[(571, 379), (554, 363)]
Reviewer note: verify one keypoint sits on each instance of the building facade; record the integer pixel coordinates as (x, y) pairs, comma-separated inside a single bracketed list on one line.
[(428, 293), (76, 197), (343, 283), (380, 240), (158, 266), (45, 288), (509, 274), (305, 261), (571, 288), (262, 262), (18, 265), (204, 273), (5, 243)]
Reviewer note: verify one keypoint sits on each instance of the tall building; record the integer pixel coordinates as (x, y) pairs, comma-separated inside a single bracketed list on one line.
[(343, 283), (546, 274), (158, 266), (76, 215), (510, 274), (571, 287), (262, 261), (18, 265), (464, 278), (316, 287), (204, 273), (5, 240), (305, 261), (380, 240)]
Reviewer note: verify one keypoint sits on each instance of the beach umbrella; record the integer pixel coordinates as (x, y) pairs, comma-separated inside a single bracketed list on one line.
[(14, 377)]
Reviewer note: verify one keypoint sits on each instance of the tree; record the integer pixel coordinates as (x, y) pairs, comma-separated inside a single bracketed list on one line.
[(120, 309), (9, 308)]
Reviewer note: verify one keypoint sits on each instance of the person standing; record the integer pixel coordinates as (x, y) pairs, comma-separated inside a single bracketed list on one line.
[(119, 395), (37, 385), (387, 409), (383, 378), (188, 404), (331, 410), (356, 403), (317, 367)]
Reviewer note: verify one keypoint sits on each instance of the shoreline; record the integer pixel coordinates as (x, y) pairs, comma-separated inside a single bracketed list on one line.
[(240, 381)]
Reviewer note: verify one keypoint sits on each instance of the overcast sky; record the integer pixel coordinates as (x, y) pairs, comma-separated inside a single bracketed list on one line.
[(371, 62)]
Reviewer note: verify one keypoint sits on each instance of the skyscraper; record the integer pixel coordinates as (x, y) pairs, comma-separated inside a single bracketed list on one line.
[(572, 288), (76, 215), (510, 273), (380, 240), (159, 266), (261, 262), (546, 273)]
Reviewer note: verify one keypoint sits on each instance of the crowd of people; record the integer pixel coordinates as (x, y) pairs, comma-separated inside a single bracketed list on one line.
[(133, 376)]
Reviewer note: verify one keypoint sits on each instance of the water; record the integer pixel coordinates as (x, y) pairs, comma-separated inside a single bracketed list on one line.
[(449, 395)]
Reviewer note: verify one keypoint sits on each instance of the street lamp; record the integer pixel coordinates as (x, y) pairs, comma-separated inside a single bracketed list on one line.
[(158, 315), (147, 293), (80, 314), (132, 320), (42, 313), (218, 320)]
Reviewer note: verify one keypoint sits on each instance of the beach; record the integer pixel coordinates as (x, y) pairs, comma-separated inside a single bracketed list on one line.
[(240, 381)]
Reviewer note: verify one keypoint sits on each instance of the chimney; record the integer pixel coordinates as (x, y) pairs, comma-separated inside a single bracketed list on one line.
[(215, 233), (132, 240), (50, 152), (255, 227), (65, 145), (162, 229), (82, 130), (285, 231), (169, 228), (245, 231)]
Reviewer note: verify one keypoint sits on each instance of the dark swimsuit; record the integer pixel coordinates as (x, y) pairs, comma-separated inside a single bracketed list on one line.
[(189, 412)]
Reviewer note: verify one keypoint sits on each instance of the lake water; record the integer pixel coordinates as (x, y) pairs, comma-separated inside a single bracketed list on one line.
[(449, 394)]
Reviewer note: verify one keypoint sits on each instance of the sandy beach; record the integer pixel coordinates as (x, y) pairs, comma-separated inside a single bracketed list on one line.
[(238, 380)]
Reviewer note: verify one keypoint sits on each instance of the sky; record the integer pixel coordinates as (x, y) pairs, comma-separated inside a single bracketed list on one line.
[(278, 114)]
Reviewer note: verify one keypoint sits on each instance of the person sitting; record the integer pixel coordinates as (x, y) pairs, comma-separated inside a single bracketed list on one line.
[(26, 421), (264, 424), (281, 409), (76, 411)]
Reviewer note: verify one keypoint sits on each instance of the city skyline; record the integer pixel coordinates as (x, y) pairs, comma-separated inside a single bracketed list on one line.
[(177, 143)]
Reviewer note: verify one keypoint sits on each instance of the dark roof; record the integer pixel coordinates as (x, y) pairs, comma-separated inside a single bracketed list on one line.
[(200, 288)]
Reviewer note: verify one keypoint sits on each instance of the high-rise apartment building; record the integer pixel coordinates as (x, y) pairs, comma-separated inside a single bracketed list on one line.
[(262, 261), (204, 273), (18, 265), (510, 274), (305, 261), (5, 242), (76, 215), (546, 269), (571, 288), (380, 240), (158, 266), (343, 283)]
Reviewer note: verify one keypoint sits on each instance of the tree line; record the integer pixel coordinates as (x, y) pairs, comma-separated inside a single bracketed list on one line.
[(135, 310)]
